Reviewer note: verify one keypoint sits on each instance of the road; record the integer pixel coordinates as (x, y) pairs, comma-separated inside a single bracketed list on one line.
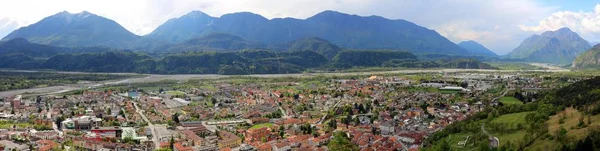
[(500, 96), (150, 125), (284, 113), (54, 126), (325, 116), (496, 141)]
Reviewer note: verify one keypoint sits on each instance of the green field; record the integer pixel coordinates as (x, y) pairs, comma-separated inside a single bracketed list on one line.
[(177, 93), (8, 125), (512, 119), (511, 137), (507, 100), (453, 140), (514, 66), (261, 125), (423, 89)]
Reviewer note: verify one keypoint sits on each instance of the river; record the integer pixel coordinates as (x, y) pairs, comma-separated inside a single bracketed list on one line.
[(180, 77)]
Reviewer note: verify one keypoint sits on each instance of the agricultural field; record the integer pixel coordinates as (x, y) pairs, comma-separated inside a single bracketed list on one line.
[(510, 100)]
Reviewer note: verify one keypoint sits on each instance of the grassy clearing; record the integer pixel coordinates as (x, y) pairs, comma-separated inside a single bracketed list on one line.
[(423, 89), (209, 87), (510, 100), (514, 66), (9, 125), (176, 93), (262, 125), (511, 137), (453, 140), (542, 145), (512, 119), (570, 122)]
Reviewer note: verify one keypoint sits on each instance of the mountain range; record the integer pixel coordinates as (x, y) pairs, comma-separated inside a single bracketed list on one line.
[(327, 35), (343, 30), (477, 49), (558, 47)]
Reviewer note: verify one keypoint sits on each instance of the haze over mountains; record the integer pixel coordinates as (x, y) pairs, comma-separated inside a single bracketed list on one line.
[(560, 47), (476, 48)]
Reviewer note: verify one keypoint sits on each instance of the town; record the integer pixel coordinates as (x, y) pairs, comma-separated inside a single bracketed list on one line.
[(375, 112)]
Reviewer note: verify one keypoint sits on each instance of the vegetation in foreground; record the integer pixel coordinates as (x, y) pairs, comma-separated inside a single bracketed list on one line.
[(546, 124)]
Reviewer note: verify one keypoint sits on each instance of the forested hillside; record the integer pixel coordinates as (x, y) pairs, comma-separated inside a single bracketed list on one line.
[(564, 119)]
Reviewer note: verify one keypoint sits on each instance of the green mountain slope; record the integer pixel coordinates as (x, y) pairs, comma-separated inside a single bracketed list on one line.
[(81, 29), (344, 30), (588, 59), (315, 44), (559, 47), (186, 27), (22, 46)]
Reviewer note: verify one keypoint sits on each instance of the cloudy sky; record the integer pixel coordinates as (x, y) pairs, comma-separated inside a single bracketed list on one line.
[(498, 24)]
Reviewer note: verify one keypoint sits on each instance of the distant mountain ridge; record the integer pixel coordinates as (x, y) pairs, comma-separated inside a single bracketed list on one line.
[(80, 29), (343, 30), (316, 44), (186, 27), (560, 47), (477, 49), (22, 46)]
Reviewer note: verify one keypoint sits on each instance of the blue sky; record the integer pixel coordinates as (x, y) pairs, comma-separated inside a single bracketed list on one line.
[(571, 5), (500, 25)]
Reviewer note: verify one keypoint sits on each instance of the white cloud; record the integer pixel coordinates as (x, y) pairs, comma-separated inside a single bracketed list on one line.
[(7, 25), (586, 24), (492, 23)]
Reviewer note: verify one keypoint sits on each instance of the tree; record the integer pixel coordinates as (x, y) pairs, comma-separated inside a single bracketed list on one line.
[(561, 134), (170, 123), (332, 124), (176, 118), (172, 142), (341, 143), (444, 145)]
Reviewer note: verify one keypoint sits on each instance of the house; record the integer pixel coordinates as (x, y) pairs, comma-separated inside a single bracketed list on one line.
[(81, 123), (197, 140), (264, 147), (180, 147), (227, 139), (257, 134), (46, 145), (283, 146), (44, 135), (107, 132), (387, 128)]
